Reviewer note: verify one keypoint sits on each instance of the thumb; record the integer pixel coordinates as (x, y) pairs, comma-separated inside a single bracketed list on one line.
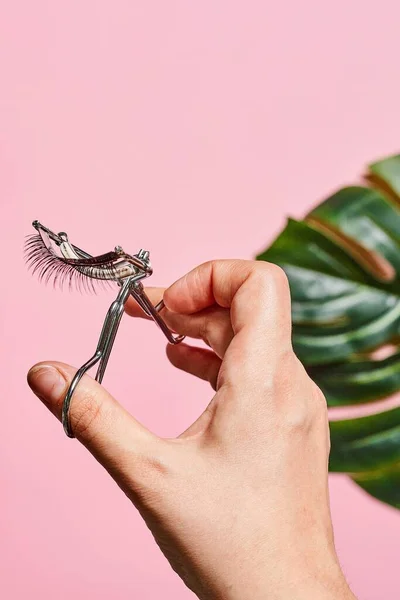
[(119, 442)]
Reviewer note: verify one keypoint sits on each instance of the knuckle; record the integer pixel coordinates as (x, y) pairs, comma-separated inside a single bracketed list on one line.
[(319, 399), (298, 418), (307, 408), (85, 415), (318, 405), (272, 273), (278, 275), (306, 412)]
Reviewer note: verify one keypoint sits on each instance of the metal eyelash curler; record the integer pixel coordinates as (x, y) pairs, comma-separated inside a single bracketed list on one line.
[(52, 256)]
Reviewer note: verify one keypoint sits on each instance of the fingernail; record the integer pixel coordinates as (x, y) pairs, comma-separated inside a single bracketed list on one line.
[(47, 383)]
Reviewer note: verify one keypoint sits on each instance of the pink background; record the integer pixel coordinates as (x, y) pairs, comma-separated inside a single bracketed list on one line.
[(192, 129)]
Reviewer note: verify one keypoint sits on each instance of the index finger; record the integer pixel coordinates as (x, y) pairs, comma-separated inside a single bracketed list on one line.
[(257, 293)]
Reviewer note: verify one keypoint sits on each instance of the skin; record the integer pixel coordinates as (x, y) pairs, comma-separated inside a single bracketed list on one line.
[(239, 502)]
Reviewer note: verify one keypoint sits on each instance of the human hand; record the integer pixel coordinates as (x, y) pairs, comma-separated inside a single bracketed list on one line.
[(239, 502)]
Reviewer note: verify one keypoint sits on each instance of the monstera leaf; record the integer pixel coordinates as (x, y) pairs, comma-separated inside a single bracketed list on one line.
[(343, 266)]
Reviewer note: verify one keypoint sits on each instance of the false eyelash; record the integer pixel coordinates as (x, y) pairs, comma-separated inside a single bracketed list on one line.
[(75, 273)]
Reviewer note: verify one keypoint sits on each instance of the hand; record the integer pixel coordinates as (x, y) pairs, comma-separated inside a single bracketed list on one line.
[(239, 502)]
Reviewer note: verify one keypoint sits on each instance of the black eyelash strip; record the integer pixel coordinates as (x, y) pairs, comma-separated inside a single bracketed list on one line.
[(83, 274)]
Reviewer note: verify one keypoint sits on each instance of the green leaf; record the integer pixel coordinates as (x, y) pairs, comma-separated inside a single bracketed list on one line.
[(343, 266), (384, 484), (367, 443), (387, 172), (367, 216), (358, 380), (338, 307)]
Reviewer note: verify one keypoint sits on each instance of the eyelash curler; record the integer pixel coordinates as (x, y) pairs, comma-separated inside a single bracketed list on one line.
[(52, 257)]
